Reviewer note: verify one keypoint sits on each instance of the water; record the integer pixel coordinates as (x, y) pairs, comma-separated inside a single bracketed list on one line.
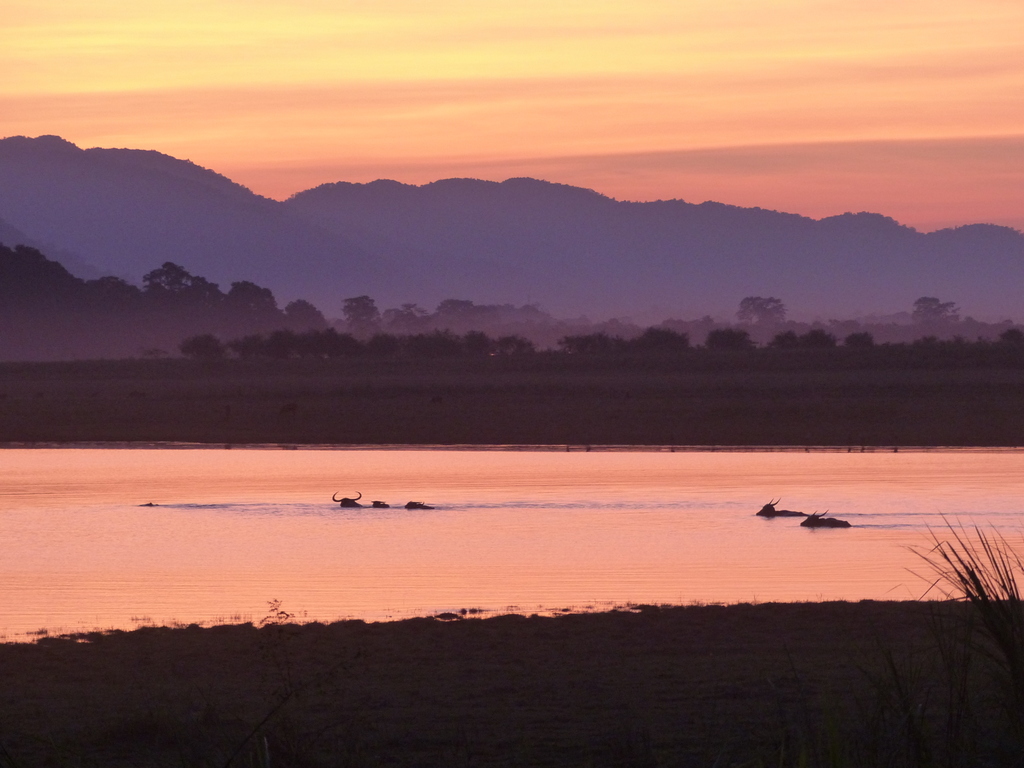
[(511, 531)]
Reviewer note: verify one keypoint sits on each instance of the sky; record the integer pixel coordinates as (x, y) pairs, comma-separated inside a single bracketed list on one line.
[(913, 108)]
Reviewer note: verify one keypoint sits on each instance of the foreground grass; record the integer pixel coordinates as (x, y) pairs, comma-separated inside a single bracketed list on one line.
[(690, 686)]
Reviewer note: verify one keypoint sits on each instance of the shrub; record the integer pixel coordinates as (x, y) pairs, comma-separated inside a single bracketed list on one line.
[(661, 340), (436, 344), (383, 345), (204, 346), (478, 343), (729, 338), (514, 345), (816, 338), (590, 344), (860, 340), (1013, 337), (785, 340)]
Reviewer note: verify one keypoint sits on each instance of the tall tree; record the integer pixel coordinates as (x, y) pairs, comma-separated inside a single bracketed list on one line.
[(361, 315), (929, 309), (761, 310)]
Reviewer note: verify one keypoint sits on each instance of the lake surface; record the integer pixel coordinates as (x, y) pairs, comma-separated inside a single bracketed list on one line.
[(523, 531)]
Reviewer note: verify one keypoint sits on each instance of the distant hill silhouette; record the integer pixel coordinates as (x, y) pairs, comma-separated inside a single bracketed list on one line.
[(571, 250), (562, 244), (122, 211)]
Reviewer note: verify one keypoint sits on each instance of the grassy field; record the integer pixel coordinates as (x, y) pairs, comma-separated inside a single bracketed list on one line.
[(539, 399), (692, 686)]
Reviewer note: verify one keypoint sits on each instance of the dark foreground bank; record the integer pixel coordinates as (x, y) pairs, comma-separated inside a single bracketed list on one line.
[(701, 399), (773, 684)]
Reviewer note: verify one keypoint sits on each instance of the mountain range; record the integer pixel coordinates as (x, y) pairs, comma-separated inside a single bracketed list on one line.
[(572, 251)]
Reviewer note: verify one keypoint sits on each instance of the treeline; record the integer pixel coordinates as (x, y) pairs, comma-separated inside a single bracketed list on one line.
[(724, 349), (46, 313), (817, 349), (330, 344)]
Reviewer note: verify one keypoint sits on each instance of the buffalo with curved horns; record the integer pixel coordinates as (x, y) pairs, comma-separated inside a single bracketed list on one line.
[(820, 521), (769, 510), (417, 505), (347, 502)]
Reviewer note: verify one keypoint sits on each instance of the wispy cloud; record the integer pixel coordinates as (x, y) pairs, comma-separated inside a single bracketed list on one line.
[(461, 83)]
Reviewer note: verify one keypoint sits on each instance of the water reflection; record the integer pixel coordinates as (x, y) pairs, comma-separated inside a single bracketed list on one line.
[(536, 530)]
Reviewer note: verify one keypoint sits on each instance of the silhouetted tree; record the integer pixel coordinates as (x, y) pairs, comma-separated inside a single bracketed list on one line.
[(282, 344), (816, 338), (384, 345), (329, 343), (478, 343), (410, 318), (29, 279), (250, 299), (300, 315), (929, 309), (785, 340), (1013, 337), (436, 344), (204, 346), (248, 346), (113, 293), (760, 310), (661, 340), (514, 345), (590, 344), (861, 339), (175, 283), (455, 308), (361, 315), (729, 338), (460, 315)]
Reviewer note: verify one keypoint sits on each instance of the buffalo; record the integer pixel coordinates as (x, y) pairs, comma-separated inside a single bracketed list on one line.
[(769, 510), (347, 502), (820, 521)]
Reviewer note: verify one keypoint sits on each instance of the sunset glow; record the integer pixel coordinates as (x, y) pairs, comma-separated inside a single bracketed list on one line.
[(802, 105)]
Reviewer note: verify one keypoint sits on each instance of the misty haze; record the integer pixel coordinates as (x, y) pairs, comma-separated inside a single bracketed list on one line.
[(570, 252)]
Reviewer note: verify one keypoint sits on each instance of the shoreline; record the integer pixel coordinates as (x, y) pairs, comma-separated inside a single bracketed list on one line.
[(449, 615), (521, 448)]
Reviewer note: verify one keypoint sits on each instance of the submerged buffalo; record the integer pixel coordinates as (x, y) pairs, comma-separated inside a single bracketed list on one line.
[(820, 521), (769, 510), (417, 505), (347, 502), (380, 505)]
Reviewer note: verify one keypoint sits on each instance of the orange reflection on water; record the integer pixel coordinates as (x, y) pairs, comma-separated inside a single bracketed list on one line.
[(512, 530)]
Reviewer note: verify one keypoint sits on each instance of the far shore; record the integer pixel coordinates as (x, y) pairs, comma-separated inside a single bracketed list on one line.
[(537, 402)]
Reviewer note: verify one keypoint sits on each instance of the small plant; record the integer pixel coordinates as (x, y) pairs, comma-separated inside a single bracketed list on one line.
[(983, 572), (276, 614)]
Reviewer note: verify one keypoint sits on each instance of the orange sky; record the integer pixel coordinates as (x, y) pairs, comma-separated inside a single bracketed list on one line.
[(914, 109)]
